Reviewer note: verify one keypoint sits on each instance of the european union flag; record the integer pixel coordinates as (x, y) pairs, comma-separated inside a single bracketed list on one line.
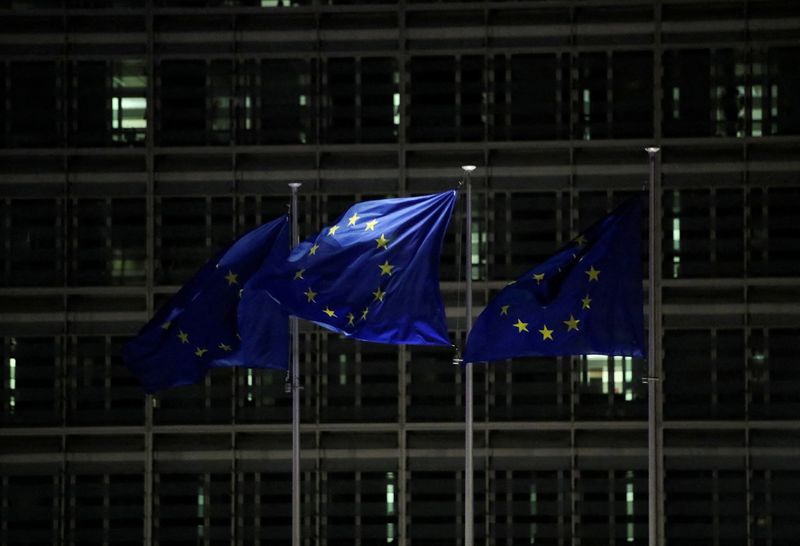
[(372, 275), (197, 329), (586, 299)]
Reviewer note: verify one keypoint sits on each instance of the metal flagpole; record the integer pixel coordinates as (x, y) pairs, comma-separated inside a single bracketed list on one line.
[(469, 519), (295, 387), (652, 325)]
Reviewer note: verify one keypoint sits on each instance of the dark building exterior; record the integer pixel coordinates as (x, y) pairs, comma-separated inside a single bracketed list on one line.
[(138, 136)]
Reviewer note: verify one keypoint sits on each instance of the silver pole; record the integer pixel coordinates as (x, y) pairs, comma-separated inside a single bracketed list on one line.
[(295, 386), (469, 518), (652, 378)]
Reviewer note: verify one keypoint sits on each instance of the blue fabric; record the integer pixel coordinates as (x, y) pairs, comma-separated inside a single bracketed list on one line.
[(586, 299), (372, 275), (197, 328)]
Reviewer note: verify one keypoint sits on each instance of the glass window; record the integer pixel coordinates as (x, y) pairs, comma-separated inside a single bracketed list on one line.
[(33, 253), (91, 122), (285, 100), (31, 381), (29, 509), (432, 99), (182, 102), (591, 88), (129, 102), (35, 109), (633, 94), (109, 242), (531, 97), (784, 90), (436, 508), (687, 93)]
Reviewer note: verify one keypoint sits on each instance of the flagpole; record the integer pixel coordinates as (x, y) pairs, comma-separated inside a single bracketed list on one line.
[(652, 378), (295, 387), (469, 519)]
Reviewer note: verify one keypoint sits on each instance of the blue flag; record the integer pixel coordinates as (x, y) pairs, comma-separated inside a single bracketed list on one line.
[(372, 275), (586, 299), (197, 329)]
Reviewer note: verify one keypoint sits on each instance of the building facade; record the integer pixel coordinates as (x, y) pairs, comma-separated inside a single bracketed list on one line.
[(139, 136)]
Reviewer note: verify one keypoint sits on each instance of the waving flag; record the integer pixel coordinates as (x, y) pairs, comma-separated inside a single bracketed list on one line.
[(372, 275), (585, 299), (198, 328)]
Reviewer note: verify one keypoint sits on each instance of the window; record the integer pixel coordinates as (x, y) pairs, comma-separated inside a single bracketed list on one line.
[(182, 102), (129, 102), (432, 96), (109, 242), (35, 109), (632, 94), (33, 254), (90, 124), (31, 376), (687, 93), (592, 93), (361, 100), (285, 102), (530, 97)]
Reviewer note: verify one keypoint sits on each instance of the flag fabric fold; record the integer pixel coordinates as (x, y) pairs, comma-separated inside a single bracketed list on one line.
[(585, 299), (198, 328), (372, 275)]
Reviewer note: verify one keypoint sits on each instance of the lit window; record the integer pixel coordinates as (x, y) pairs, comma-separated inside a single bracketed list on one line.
[(676, 235), (12, 384), (587, 111), (343, 369), (129, 102), (396, 108), (609, 375), (629, 506), (676, 103), (390, 506), (201, 505), (124, 267)]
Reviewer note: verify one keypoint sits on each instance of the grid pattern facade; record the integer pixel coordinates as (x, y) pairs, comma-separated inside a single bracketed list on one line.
[(139, 136)]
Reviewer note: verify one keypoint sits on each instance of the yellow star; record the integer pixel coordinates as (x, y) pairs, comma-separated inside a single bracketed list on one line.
[(580, 240), (332, 230), (504, 309), (200, 351), (538, 277), (353, 219), (383, 242), (310, 294), (371, 225), (572, 323), (379, 294), (183, 336), (350, 318), (226, 348), (521, 326), (364, 313), (586, 301), (166, 325), (386, 268), (594, 274), (546, 333), (299, 274), (231, 278), (313, 250), (330, 312)]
